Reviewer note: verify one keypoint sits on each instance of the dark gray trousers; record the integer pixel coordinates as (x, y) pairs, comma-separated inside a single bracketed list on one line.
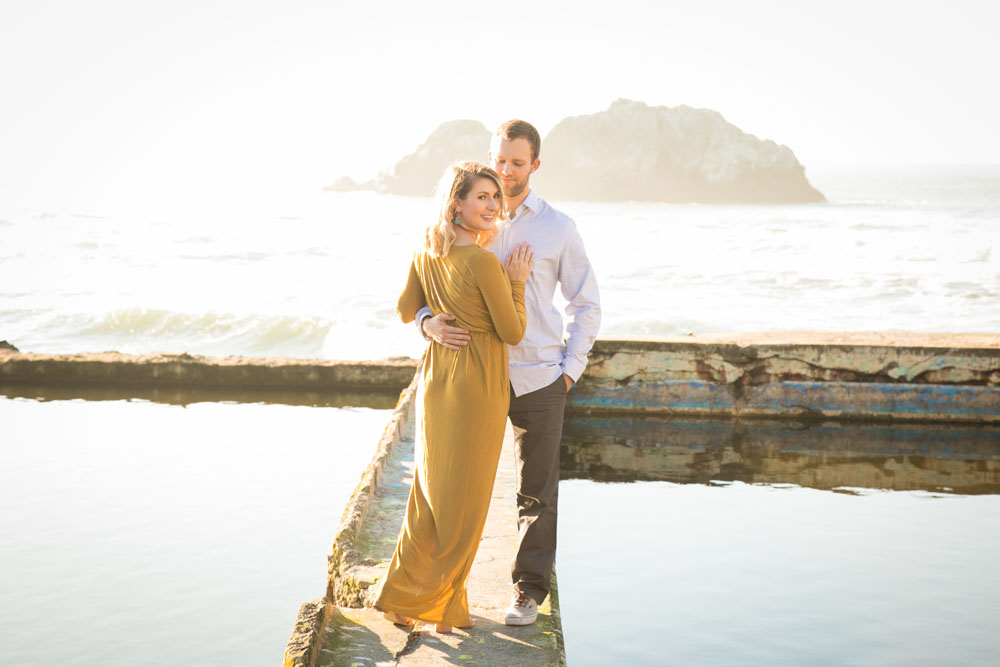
[(537, 418)]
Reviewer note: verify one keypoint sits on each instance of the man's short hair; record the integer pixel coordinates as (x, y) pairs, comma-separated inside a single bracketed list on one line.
[(521, 129)]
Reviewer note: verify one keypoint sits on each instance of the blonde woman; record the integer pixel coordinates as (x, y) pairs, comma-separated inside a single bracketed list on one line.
[(462, 401)]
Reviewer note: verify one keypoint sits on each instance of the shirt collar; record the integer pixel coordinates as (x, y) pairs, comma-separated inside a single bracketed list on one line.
[(532, 202)]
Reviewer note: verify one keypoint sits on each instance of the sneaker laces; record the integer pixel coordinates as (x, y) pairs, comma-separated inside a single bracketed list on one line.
[(522, 599)]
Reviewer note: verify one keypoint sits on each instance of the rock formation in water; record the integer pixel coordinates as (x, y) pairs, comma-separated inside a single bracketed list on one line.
[(418, 173), (632, 151), (347, 184), (669, 154)]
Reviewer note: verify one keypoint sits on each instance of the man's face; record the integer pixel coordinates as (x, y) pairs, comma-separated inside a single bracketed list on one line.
[(511, 158)]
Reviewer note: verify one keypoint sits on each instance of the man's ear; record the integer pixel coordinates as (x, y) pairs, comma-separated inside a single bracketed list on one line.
[(535, 165)]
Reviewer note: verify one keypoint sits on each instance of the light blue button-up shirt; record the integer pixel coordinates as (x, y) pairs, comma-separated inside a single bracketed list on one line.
[(543, 355)]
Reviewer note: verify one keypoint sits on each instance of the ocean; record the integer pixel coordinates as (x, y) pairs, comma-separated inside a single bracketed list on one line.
[(317, 274)]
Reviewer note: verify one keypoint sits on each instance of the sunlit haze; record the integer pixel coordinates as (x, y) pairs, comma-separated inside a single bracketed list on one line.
[(111, 99)]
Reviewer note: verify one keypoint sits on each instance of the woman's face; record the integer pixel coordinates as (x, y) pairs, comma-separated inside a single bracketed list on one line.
[(478, 211)]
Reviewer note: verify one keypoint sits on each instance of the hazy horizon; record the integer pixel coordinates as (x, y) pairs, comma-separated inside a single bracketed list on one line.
[(162, 99)]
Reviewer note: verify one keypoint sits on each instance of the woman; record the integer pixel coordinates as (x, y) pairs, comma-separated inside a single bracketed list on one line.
[(462, 401)]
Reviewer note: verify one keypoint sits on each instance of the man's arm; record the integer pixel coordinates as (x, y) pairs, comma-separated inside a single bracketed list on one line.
[(579, 288), (434, 328), (422, 314)]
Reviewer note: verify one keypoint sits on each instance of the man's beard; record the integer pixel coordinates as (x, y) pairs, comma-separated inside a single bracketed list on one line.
[(516, 189)]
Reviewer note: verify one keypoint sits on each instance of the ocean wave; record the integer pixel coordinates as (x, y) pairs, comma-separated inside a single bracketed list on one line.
[(146, 330)]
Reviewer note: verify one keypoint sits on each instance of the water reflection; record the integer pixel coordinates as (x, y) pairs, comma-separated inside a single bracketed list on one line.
[(826, 456)]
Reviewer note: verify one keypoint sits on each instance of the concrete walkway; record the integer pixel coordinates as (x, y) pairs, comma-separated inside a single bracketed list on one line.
[(363, 637)]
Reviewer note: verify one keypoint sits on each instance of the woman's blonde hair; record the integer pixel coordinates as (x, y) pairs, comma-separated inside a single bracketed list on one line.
[(455, 185)]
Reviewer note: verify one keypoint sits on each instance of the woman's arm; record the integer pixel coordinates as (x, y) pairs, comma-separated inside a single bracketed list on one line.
[(504, 298), (412, 299)]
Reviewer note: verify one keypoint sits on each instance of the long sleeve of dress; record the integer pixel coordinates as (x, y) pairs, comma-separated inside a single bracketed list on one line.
[(412, 299), (504, 298)]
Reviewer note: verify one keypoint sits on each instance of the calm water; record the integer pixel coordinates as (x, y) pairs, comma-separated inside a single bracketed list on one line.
[(189, 533), (317, 274), (142, 533), (808, 560)]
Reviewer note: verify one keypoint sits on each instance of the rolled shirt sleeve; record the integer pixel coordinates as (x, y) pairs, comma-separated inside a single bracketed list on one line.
[(421, 314)]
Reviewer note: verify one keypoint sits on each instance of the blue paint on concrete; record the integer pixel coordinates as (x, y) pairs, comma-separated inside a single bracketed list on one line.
[(877, 398), (847, 398)]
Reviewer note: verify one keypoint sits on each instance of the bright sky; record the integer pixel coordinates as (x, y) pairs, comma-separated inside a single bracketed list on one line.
[(219, 95)]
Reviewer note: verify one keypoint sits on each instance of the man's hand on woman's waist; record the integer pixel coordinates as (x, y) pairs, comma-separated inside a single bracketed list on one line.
[(453, 338)]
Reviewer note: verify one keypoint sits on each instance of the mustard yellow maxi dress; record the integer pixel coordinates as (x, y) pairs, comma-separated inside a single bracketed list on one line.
[(462, 406)]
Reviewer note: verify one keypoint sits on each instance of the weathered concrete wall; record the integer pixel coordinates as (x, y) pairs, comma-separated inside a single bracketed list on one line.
[(837, 377), (307, 635), (111, 369)]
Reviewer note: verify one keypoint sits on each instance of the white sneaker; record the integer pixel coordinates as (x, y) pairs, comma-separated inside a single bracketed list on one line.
[(523, 609)]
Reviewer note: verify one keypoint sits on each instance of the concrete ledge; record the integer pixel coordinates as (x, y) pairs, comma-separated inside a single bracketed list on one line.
[(307, 637), (828, 376), (799, 375), (185, 370)]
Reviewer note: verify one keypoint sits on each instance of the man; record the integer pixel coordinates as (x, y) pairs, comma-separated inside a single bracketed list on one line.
[(542, 366)]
